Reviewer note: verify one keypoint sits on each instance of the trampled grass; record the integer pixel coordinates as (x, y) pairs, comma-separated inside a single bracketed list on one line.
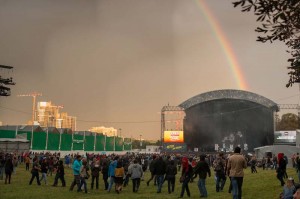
[(263, 185)]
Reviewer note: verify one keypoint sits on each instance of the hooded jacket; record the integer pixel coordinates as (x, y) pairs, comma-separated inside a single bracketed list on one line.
[(111, 168), (135, 170)]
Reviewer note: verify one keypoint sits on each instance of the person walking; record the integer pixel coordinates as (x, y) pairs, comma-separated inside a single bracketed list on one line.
[(170, 176), (202, 169), (236, 164), (95, 170), (281, 168), (76, 172), (8, 167), (253, 162), (60, 174), (151, 168), (83, 176), (119, 175), (160, 170), (219, 166), (27, 162), (111, 172), (35, 171), (44, 170), (186, 175), (135, 170), (104, 171)]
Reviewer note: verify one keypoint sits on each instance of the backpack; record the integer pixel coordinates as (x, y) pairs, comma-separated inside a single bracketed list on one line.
[(218, 165)]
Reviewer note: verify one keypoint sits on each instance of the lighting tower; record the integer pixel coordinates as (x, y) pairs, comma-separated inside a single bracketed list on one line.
[(33, 95)]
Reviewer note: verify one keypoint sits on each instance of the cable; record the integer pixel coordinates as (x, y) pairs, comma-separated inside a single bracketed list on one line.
[(158, 121)]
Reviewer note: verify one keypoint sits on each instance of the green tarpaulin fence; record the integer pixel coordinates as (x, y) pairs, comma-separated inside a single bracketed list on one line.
[(68, 142), (100, 143)]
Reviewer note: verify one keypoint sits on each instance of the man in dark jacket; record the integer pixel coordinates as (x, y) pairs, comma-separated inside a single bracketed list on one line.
[(151, 168), (35, 171), (95, 168), (170, 175), (202, 169), (8, 166), (60, 174), (159, 171)]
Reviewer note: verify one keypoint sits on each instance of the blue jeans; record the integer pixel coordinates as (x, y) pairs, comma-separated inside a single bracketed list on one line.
[(111, 182), (202, 188), (44, 177), (160, 181), (237, 183)]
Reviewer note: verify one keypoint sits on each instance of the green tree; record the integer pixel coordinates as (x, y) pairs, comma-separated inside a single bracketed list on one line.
[(280, 20), (288, 121)]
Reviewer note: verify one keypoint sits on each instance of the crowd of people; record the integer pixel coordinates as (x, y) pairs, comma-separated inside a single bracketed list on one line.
[(118, 170)]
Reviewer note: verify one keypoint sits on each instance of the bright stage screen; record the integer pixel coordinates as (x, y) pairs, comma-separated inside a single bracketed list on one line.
[(173, 136)]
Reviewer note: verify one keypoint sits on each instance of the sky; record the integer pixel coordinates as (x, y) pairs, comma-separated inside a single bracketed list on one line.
[(116, 63)]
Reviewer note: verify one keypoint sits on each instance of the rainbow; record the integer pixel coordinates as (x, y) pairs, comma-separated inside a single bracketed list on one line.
[(221, 37)]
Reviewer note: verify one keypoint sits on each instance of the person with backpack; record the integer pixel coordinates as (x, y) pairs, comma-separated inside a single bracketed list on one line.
[(219, 168), (171, 172), (202, 169), (119, 176)]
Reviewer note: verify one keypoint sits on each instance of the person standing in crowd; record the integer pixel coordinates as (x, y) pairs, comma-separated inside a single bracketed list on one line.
[(104, 171), (60, 174), (111, 172), (281, 168), (119, 175), (44, 169), (202, 169), (27, 162), (236, 164), (219, 165), (170, 176), (95, 170), (76, 172), (83, 175), (187, 172), (35, 171), (8, 167), (135, 170), (151, 168), (160, 170)]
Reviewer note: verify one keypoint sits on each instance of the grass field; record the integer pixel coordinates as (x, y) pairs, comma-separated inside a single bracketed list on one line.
[(263, 185)]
